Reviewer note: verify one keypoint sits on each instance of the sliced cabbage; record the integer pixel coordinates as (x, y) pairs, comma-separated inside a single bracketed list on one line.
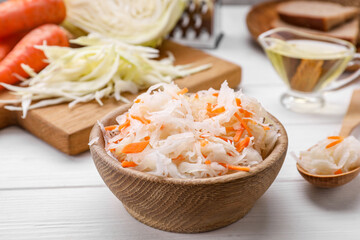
[(103, 68), (140, 22)]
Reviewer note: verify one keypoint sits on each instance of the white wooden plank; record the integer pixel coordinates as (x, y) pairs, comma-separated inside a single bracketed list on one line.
[(289, 210), (38, 165), (45, 194), (26, 161)]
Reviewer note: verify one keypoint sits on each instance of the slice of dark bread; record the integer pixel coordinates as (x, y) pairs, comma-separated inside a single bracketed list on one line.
[(315, 14), (349, 31)]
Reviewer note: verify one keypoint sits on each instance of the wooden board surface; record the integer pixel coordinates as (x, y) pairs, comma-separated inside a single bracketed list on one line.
[(352, 117), (261, 17), (68, 129)]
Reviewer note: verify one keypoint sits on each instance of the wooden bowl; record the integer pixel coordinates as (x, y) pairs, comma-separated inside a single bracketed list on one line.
[(186, 205), (328, 181)]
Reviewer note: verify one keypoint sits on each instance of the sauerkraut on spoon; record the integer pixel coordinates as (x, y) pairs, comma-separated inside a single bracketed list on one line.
[(333, 155), (169, 132)]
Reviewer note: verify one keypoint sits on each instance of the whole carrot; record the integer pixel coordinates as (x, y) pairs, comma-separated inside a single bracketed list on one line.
[(25, 52), (8, 43), (22, 15)]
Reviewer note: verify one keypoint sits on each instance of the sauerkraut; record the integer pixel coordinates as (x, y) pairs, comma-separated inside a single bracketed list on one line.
[(333, 155), (210, 133)]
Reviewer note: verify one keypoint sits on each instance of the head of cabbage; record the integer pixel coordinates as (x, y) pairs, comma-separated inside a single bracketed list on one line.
[(138, 22)]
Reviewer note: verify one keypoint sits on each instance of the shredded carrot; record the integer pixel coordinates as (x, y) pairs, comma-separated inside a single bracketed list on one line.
[(335, 137), (197, 96), (233, 167), (225, 139), (208, 162), (339, 171), (179, 158), (266, 128), (246, 113), (135, 147), (229, 129), (141, 119), (203, 143), (243, 123), (238, 134), (182, 91), (334, 143), (243, 144), (126, 164), (218, 110), (213, 112), (215, 94), (147, 138), (124, 125), (238, 102), (110, 128), (208, 107), (137, 100), (162, 127), (204, 155), (251, 121), (256, 123)]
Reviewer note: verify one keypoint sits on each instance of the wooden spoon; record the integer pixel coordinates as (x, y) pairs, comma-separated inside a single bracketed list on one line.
[(350, 125), (328, 181)]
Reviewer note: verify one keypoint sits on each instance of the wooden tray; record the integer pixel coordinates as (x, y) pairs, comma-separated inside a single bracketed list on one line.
[(68, 129), (261, 16)]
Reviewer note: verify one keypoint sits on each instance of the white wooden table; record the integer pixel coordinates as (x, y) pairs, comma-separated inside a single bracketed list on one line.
[(45, 194)]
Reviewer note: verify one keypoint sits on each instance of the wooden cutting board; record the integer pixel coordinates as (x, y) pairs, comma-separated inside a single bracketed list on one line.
[(68, 129), (352, 117)]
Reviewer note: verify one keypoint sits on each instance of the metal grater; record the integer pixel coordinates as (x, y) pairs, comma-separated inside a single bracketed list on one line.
[(199, 26)]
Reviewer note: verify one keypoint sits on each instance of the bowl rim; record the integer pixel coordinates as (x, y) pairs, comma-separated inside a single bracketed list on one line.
[(98, 148), (303, 171)]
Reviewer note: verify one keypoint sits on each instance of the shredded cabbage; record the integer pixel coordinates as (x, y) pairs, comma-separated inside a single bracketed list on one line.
[(323, 160), (140, 22), (103, 68), (188, 140)]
